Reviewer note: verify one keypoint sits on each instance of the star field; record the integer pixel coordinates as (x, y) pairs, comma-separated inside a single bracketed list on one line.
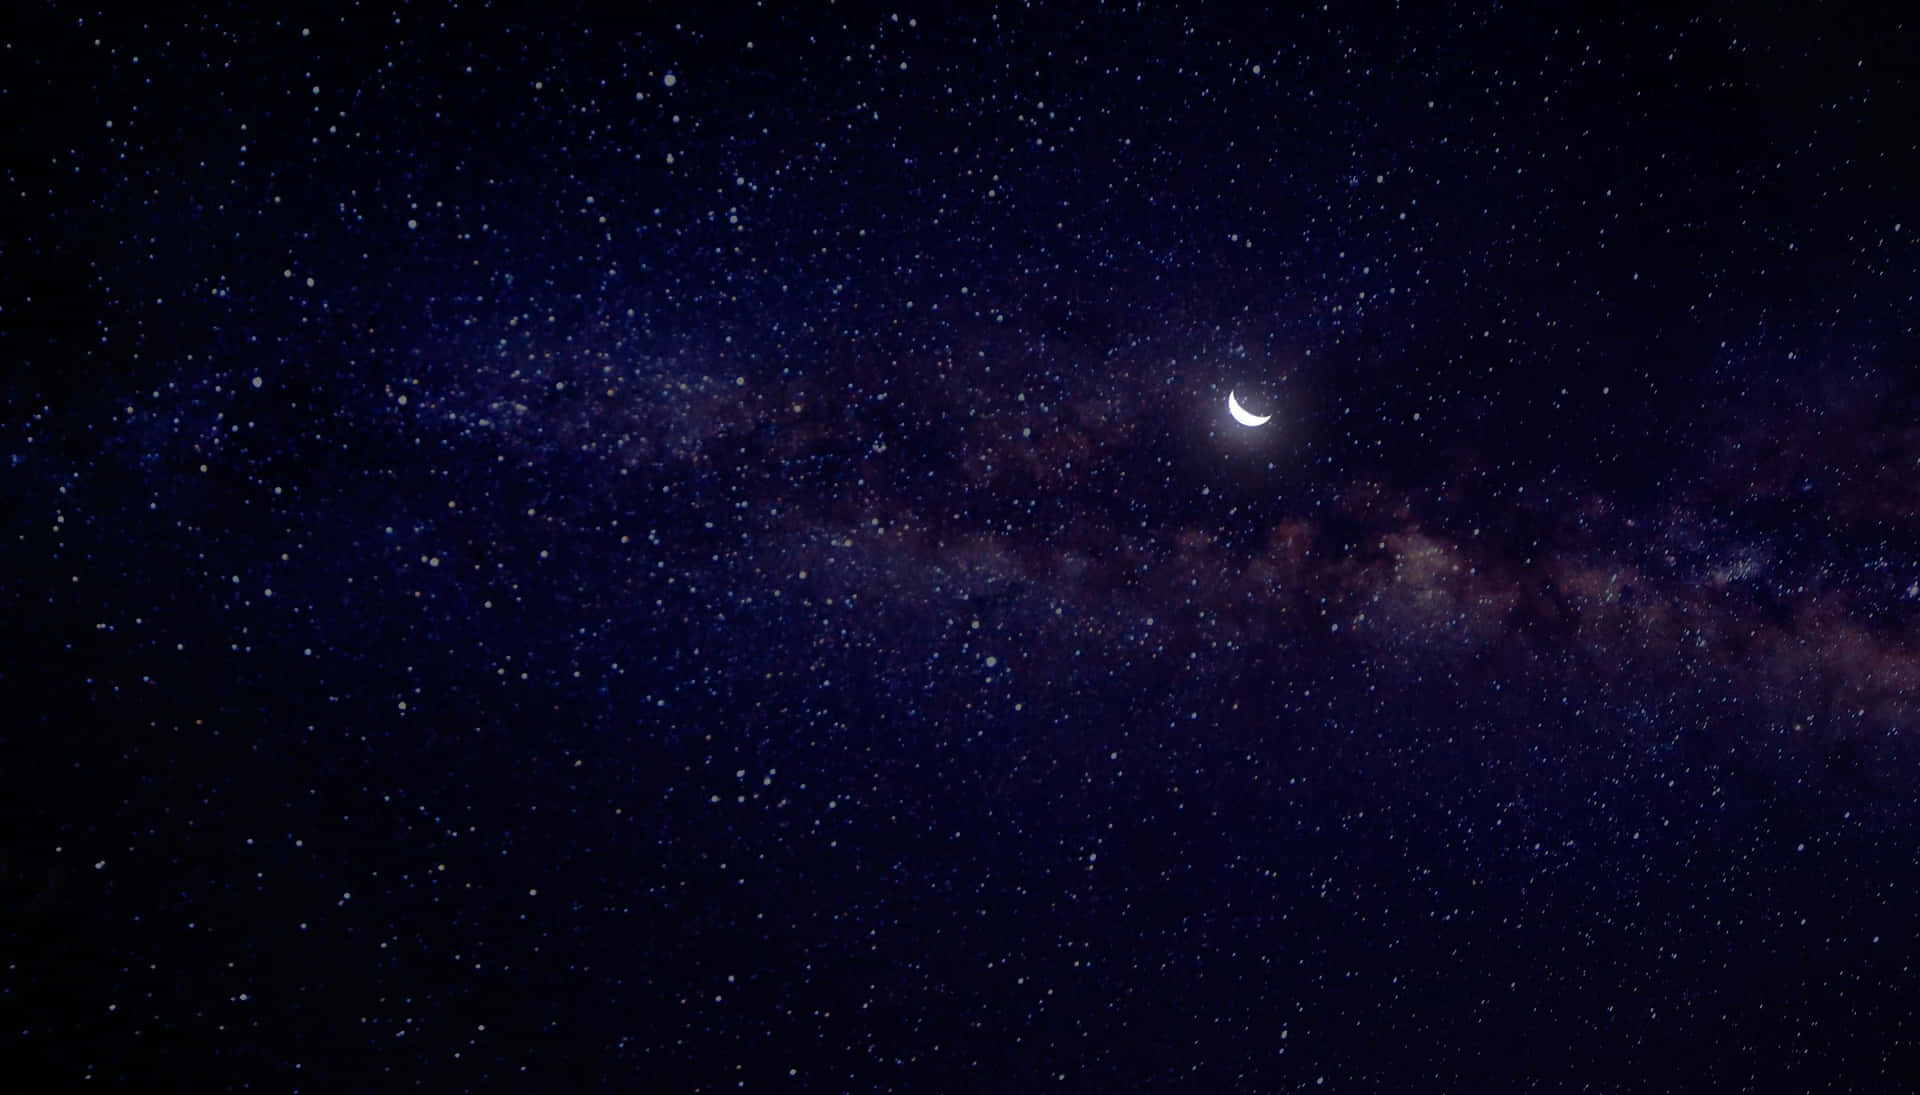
[(705, 550)]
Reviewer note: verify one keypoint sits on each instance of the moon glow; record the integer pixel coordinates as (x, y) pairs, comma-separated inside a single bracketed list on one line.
[(1242, 415)]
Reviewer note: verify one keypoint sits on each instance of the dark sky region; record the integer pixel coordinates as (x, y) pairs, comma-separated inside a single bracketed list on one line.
[(703, 549)]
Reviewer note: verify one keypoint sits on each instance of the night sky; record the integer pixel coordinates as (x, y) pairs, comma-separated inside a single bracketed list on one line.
[(706, 550)]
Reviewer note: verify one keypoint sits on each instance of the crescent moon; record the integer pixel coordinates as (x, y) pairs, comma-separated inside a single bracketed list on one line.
[(1242, 415)]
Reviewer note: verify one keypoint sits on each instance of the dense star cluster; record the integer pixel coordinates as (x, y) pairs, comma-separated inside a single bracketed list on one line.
[(708, 551)]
